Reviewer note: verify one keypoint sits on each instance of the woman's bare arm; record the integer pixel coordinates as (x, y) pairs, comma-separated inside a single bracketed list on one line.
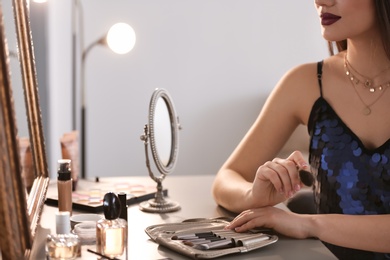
[(288, 106)]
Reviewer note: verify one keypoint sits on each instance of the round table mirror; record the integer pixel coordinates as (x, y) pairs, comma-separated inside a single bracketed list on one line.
[(161, 134)]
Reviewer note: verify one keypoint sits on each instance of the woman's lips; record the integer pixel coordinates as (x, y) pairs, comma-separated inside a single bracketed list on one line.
[(329, 19)]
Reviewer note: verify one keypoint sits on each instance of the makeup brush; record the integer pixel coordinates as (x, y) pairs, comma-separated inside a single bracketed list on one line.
[(306, 177)]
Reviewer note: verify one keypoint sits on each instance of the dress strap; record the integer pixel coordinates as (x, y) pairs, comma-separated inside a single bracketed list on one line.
[(319, 75)]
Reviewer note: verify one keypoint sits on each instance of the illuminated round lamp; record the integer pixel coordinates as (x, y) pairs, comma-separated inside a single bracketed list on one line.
[(121, 38)]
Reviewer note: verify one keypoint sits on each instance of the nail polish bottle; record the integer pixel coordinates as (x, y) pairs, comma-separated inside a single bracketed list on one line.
[(111, 232), (64, 185), (63, 245)]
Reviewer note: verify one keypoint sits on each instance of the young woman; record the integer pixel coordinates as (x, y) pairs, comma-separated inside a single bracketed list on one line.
[(344, 101)]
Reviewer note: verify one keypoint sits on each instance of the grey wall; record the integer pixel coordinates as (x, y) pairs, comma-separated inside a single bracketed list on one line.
[(219, 59)]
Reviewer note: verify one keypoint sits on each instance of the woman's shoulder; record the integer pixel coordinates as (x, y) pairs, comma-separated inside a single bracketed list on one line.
[(299, 88), (306, 71), (300, 78), (309, 71)]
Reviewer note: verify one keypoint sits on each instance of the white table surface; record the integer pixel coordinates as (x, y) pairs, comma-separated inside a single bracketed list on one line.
[(194, 195)]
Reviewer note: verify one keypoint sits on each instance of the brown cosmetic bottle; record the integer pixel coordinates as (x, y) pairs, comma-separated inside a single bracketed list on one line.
[(64, 185)]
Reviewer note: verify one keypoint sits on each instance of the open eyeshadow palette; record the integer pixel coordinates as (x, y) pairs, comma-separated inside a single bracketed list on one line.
[(89, 194)]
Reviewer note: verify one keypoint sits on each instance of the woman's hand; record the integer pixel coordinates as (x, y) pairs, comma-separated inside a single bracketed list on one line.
[(278, 180), (283, 222)]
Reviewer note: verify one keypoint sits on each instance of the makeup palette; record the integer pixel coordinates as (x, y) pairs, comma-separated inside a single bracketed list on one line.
[(89, 194)]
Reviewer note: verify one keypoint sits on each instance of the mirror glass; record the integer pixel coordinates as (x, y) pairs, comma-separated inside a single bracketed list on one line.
[(161, 134), (14, 66), (162, 131)]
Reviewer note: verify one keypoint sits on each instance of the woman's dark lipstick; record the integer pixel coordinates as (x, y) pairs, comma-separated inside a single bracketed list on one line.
[(329, 19)]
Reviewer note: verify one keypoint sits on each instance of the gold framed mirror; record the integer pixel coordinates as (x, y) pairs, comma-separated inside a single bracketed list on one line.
[(19, 213)]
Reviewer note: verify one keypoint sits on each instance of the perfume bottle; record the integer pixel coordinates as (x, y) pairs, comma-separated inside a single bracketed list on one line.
[(64, 185), (111, 232), (63, 245)]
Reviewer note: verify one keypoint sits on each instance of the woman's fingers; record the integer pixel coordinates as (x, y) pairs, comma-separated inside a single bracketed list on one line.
[(252, 218), (268, 172), (245, 221), (283, 175), (281, 221), (289, 176), (303, 169), (298, 159)]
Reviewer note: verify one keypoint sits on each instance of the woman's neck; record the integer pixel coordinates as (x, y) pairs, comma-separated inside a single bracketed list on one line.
[(368, 57)]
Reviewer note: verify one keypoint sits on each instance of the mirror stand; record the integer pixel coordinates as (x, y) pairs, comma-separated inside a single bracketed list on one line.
[(159, 204)]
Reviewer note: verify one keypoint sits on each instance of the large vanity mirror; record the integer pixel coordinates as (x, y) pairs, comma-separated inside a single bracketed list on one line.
[(162, 135), (20, 211)]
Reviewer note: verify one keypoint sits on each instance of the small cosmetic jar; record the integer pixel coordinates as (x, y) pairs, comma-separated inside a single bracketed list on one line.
[(81, 218), (86, 232), (63, 247)]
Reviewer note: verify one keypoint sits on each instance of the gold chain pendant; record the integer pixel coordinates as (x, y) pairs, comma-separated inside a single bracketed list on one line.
[(366, 111)]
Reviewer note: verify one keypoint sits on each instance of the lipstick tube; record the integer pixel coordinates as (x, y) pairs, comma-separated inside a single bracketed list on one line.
[(64, 185)]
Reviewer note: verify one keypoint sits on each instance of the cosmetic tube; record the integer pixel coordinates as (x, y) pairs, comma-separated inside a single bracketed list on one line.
[(64, 185)]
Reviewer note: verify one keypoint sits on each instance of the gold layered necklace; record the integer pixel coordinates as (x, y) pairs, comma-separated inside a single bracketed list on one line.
[(368, 83)]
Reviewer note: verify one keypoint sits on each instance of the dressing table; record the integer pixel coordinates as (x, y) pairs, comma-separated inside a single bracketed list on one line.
[(194, 195), (27, 235)]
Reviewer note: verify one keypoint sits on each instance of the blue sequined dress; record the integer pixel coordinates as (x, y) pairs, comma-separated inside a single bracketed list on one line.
[(350, 179)]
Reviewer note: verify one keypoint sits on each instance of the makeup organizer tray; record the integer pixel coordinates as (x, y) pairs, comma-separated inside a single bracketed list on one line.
[(207, 238)]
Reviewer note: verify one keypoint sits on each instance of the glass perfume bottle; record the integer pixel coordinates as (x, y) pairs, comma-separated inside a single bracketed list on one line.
[(111, 232), (63, 245)]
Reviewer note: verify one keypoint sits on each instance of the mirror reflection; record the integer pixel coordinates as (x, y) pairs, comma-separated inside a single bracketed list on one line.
[(162, 131), (14, 66), (28, 174)]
